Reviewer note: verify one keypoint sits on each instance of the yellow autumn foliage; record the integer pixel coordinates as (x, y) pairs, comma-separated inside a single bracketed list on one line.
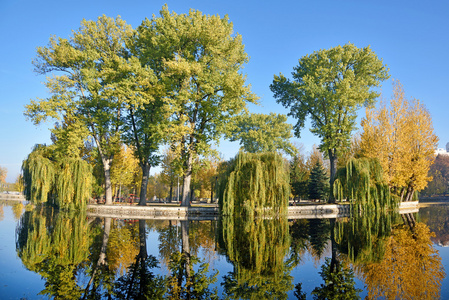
[(401, 136), (411, 267)]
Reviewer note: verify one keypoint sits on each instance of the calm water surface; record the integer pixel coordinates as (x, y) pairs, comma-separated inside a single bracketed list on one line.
[(45, 254)]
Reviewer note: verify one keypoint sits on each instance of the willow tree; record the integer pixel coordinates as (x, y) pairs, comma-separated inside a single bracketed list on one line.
[(255, 183), (55, 245), (91, 77), (401, 136), (199, 60), (57, 173), (362, 183), (330, 86), (257, 248)]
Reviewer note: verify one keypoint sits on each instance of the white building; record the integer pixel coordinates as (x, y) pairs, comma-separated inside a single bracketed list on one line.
[(442, 151)]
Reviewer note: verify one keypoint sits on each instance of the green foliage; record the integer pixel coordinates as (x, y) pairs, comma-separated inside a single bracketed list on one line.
[(93, 80), (257, 248), (338, 283), (255, 183), (299, 177), (65, 182), (199, 59), (361, 182), (262, 133), (318, 185), (330, 86), (363, 237), (38, 175), (55, 246)]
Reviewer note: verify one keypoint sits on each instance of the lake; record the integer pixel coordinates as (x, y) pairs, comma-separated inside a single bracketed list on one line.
[(49, 254)]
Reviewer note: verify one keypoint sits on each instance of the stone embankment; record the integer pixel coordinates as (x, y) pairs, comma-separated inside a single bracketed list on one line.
[(12, 196), (211, 211)]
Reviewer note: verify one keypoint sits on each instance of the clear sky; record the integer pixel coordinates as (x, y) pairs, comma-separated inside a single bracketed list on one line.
[(412, 38)]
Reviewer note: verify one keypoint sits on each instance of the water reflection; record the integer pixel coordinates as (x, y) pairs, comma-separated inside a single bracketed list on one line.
[(80, 257), (55, 245), (257, 248)]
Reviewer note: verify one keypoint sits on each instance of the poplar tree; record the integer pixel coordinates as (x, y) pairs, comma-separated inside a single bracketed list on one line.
[(92, 77), (198, 58), (262, 133), (330, 86)]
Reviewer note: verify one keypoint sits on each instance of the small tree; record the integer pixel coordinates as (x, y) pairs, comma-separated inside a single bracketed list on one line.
[(318, 182)]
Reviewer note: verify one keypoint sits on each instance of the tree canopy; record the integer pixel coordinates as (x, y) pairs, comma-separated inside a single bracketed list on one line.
[(93, 81), (330, 86), (262, 133), (401, 136), (199, 59)]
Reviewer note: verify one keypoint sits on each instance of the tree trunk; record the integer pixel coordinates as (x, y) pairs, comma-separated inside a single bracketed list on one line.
[(186, 184), (143, 257), (143, 187), (333, 166), (186, 252), (107, 180), (102, 258), (171, 190)]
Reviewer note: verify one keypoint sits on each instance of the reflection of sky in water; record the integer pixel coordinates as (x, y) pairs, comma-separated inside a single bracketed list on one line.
[(17, 282)]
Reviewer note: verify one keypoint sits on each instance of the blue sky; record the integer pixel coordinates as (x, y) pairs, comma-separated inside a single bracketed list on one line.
[(410, 36)]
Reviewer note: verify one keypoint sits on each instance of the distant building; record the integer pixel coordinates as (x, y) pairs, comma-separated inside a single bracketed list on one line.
[(442, 151)]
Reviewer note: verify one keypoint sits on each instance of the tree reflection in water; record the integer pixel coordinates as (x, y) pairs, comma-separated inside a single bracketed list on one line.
[(410, 268), (257, 248), (80, 257), (55, 246)]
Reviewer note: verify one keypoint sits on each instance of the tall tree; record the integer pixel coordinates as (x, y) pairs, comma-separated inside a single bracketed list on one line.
[(93, 80), (330, 86), (261, 133), (402, 138), (199, 60)]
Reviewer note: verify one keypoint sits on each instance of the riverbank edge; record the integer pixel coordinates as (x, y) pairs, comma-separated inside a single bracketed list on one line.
[(211, 211)]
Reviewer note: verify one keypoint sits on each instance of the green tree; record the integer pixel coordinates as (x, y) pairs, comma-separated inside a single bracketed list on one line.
[(330, 86), (262, 133), (93, 80), (338, 283), (318, 186), (199, 59), (299, 177), (255, 183)]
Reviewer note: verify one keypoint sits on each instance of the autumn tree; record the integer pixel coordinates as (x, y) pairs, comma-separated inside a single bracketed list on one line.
[(92, 78), (401, 136), (330, 86), (123, 169), (3, 172), (200, 59), (262, 133)]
